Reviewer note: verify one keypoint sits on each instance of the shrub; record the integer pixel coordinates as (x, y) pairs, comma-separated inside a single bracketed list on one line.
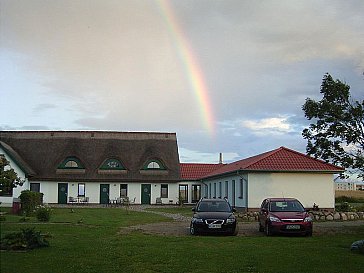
[(25, 239), (29, 201), (43, 213), (348, 199), (345, 207)]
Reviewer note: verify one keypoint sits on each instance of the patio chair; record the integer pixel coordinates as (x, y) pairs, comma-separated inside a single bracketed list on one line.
[(72, 200), (158, 201), (85, 200)]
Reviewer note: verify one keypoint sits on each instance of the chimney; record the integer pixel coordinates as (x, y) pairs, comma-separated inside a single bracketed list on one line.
[(220, 158)]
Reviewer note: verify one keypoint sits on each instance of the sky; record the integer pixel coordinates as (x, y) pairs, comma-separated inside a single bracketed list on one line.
[(225, 76)]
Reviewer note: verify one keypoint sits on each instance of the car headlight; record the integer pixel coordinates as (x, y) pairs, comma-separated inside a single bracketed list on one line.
[(307, 219), (274, 219), (197, 220), (230, 220)]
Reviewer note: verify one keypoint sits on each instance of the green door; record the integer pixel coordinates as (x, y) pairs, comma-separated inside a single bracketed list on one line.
[(62, 193), (104, 193), (146, 189)]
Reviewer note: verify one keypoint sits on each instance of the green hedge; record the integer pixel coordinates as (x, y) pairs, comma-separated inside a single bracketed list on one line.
[(30, 200)]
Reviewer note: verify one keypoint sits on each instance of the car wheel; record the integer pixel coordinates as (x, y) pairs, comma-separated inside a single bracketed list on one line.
[(268, 230), (192, 230), (261, 228)]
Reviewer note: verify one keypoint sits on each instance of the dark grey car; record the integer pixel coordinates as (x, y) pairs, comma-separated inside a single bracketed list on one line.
[(213, 216)]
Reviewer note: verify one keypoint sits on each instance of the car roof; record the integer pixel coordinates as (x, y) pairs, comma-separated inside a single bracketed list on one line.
[(281, 199), (213, 200)]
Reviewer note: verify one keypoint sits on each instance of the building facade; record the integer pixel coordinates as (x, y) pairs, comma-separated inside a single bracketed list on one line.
[(101, 167)]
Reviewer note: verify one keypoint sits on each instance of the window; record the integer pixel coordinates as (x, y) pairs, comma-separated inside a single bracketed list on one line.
[(210, 190), (241, 194), (35, 187), (123, 190), (233, 192), (71, 163), (183, 193), (196, 193), (81, 189), (226, 189), (164, 191), (154, 165), (112, 164), (214, 190), (206, 191), (220, 189)]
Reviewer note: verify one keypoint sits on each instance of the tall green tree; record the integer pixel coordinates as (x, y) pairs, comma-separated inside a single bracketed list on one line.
[(8, 177), (336, 133)]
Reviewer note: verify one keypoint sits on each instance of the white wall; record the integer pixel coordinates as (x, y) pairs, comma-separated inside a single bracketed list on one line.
[(233, 187), (309, 188), (8, 201), (92, 190)]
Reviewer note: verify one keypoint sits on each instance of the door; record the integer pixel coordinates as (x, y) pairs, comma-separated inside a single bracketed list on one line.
[(146, 193), (62, 193), (104, 193)]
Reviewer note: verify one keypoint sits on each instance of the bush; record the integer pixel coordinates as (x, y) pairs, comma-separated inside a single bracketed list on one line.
[(30, 200), (348, 199), (43, 213), (345, 207), (25, 239)]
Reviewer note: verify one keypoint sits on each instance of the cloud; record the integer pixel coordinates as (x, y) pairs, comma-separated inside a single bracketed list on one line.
[(44, 107), (275, 125), (116, 66)]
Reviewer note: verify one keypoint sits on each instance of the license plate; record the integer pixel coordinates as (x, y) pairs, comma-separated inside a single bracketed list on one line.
[(214, 225), (293, 227)]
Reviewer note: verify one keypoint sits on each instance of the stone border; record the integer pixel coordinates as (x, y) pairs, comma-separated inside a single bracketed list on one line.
[(315, 215)]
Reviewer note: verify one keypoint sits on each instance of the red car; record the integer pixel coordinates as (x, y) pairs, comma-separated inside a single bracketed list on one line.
[(285, 216)]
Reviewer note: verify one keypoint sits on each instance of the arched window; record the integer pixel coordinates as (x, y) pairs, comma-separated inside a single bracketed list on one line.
[(112, 164), (154, 165), (71, 163)]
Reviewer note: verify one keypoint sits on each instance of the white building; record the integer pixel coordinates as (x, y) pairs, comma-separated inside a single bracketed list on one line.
[(349, 183), (145, 167)]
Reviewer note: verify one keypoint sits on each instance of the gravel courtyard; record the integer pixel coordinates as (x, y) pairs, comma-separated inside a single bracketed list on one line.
[(180, 226)]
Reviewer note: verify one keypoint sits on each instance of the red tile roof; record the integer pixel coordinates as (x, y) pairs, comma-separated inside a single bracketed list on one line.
[(281, 159), (196, 171)]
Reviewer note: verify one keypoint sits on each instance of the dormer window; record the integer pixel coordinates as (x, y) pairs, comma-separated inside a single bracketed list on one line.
[(71, 163), (154, 165), (112, 164)]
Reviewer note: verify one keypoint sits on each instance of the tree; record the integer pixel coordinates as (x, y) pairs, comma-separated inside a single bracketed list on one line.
[(337, 132), (8, 177)]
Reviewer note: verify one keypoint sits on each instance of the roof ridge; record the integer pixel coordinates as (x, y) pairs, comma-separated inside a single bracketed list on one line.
[(260, 157), (312, 158)]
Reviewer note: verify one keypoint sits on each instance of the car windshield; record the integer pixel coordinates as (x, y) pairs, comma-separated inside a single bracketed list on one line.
[(289, 205), (218, 206)]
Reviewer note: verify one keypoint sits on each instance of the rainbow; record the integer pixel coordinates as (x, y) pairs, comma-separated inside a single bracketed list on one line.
[(191, 65)]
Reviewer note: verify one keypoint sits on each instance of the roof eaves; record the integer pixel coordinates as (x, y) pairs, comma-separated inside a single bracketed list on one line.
[(17, 159)]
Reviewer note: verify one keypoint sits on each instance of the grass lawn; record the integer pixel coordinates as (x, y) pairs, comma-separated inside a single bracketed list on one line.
[(185, 210), (88, 241)]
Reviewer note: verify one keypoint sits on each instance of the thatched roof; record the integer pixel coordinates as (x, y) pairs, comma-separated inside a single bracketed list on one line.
[(43, 152)]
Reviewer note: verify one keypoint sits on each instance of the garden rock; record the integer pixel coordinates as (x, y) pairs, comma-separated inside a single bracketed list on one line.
[(358, 246)]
